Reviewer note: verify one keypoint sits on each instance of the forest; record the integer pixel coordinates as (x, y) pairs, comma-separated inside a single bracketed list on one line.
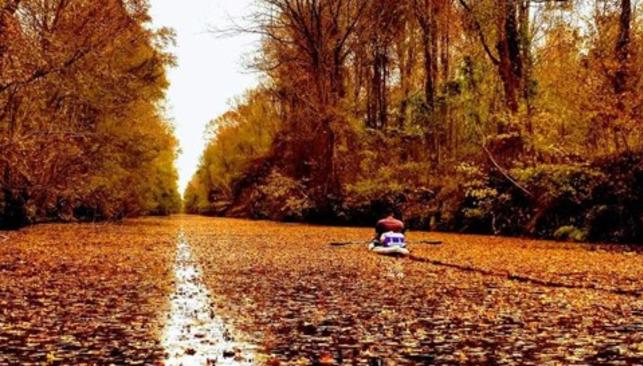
[(513, 117), (82, 130)]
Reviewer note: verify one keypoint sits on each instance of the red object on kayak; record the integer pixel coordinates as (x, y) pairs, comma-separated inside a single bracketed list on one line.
[(389, 224)]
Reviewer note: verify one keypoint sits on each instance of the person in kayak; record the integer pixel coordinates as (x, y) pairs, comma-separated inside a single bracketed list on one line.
[(388, 224)]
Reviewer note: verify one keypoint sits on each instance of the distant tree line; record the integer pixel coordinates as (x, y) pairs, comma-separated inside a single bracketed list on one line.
[(82, 136), (517, 117)]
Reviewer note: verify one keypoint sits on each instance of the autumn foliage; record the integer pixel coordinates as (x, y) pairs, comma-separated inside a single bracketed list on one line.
[(507, 117), (105, 294), (82, 135)]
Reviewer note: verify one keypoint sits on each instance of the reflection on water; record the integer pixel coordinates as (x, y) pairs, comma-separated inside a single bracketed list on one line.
[(194, 334), (394, 270)]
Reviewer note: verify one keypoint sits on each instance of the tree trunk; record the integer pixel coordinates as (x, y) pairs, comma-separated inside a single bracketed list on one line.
[(377, 104), (510, 66), (425, 17), (406, 55), (323, 176), (434, 38), (445, 70), (429, 82), (623, 49), (383, 93), (525, 38), (445, 47)]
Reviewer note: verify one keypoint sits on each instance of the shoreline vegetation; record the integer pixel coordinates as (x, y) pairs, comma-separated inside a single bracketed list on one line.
[(584, 210), (82, 129), (493, 117)]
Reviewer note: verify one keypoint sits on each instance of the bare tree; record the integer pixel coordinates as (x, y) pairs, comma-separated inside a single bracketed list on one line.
[(306, 45)]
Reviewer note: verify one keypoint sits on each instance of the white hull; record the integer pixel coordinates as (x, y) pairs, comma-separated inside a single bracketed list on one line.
[(394, 250)]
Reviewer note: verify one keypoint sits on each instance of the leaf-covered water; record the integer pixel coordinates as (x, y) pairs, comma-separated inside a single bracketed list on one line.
[(104, 294), (194, 335)]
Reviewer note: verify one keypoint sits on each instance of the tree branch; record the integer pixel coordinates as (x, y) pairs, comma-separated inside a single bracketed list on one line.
[(478, 28)]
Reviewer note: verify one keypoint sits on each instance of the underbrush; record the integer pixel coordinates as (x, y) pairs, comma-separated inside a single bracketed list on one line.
[(600, 201)]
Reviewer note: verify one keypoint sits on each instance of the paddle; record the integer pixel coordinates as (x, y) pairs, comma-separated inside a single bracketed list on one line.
[(345, 243), (430, 242)]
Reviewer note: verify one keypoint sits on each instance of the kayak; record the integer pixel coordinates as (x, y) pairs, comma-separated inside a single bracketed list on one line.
[(390, 250), (390, 243)]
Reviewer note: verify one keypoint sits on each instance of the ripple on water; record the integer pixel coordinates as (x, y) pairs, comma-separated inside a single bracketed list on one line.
[(194, 334)]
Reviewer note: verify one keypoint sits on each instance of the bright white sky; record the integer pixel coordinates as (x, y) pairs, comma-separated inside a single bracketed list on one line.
[(210, 69)]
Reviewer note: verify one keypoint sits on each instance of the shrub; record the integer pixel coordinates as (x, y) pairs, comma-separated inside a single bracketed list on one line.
[(281, 198), (570, 232), (367, 200), (562, 194), (617, 215), (472, 209)]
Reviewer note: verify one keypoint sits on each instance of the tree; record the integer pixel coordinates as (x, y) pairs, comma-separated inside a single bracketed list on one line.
[(499, 105), (80, 127), (237, 140), (306, 43)]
